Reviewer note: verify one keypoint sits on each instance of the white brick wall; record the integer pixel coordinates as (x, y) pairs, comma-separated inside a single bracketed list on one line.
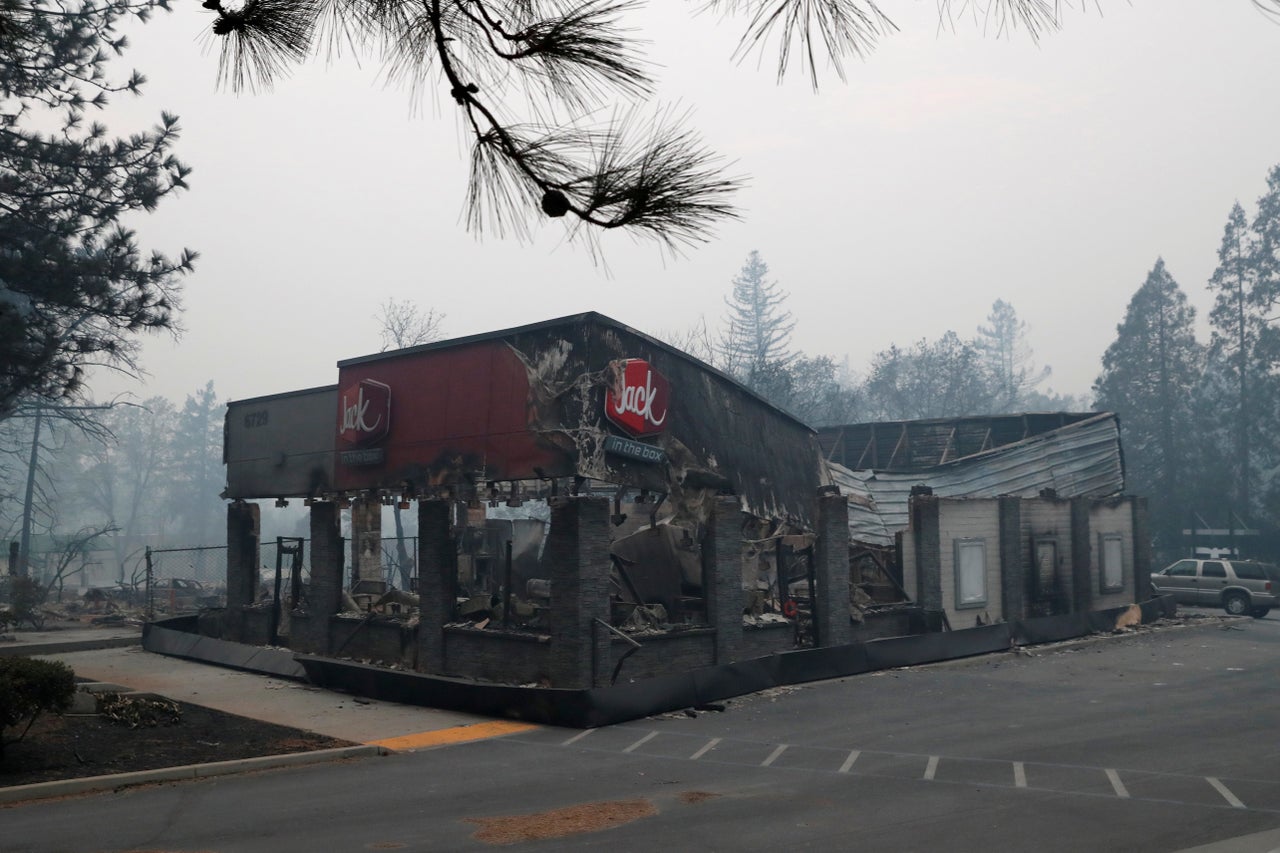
[(1105, 519), (970, 519)]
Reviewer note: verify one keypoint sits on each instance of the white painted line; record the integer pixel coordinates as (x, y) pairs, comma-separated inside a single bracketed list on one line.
[(773, 756), (650, 736), (579, 736), (848, 762), (1225, 792), (932, 769), (707, 747), (1019, 774), (1120, 789)]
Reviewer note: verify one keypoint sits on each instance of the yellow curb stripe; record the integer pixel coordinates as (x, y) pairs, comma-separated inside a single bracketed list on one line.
[(456, 734)]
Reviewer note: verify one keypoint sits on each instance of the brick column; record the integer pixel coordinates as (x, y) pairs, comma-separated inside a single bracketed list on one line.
[(366, 542), (925, 515), (243, 555), (831, 569), (1082, 588), (722, 577), (1141, 550), (324, 594), (577, 557), (1013, 569), (437, 582)]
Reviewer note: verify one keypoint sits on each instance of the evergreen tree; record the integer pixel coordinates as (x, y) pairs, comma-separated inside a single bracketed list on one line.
[(75, 287), (1264, 444), (1149, 374), (755, 346), (818, 397), (1006, 357), (932, 379), (1241, 345), (195, 477)]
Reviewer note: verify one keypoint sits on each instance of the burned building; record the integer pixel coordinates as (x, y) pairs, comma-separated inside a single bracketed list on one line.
[(658, 482), (608, 528), (985, 519)]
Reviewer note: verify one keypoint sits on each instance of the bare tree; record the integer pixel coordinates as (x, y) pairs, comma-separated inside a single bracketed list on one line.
[(403, 324)]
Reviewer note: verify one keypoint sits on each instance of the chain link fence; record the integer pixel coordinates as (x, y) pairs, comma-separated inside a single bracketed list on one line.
[(183, 580)]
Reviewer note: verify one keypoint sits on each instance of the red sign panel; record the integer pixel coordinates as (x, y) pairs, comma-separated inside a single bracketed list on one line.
[(636, 399), (364, 412)]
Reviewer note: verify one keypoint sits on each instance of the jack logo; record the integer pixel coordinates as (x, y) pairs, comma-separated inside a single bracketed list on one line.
[(365, 413), (637, 397)]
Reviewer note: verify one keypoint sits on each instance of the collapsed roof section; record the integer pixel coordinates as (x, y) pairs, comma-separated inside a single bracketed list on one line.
[(577, 397), (923, 444), (1080, 458)]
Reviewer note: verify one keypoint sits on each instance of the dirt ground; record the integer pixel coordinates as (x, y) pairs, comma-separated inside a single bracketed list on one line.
[(74, 746)]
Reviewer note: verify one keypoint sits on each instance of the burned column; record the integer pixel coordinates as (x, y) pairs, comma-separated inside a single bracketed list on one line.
[(437, 582), (831, 568), (1081, 557), (243, 531), (366, 546), (1013, 570), (928, 547), (577, 555), (722, 577), (1141, 550), (325, 592)]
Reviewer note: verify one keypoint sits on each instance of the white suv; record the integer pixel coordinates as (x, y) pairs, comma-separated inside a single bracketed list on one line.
[(1237, 586)]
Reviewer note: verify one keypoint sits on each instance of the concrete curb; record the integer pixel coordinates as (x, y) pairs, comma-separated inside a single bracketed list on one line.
[(92, 784), (57, 648)]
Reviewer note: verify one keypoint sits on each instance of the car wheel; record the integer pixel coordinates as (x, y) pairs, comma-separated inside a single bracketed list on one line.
[(1235, 604), (1259, 612)]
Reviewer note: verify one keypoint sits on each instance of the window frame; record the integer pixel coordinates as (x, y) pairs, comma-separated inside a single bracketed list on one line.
[(959, 546), (1104, 584)]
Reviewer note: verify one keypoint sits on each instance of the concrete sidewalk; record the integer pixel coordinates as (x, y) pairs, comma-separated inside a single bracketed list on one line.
[(278, 701), (115, 656)]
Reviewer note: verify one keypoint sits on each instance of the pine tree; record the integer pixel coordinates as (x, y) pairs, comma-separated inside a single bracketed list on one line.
[(1264, 400), (527, 75), (755, 346), (195, 476), (75, 287), (1149, 374), (1238, 345), (1006, 356)]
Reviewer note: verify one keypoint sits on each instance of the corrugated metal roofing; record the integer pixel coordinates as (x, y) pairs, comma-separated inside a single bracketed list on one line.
[(1078, 460)]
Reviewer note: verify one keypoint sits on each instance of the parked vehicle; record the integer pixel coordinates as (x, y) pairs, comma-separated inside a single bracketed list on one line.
[(179, 594), (1237, 586)]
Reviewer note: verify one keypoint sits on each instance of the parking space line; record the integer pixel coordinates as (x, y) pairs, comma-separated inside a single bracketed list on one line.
[(773, 756), (848, 762), (1120, 789), (1225, 792), (707, 747), (931, 769), (579, 736), (1019, 775), (650, 736)]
